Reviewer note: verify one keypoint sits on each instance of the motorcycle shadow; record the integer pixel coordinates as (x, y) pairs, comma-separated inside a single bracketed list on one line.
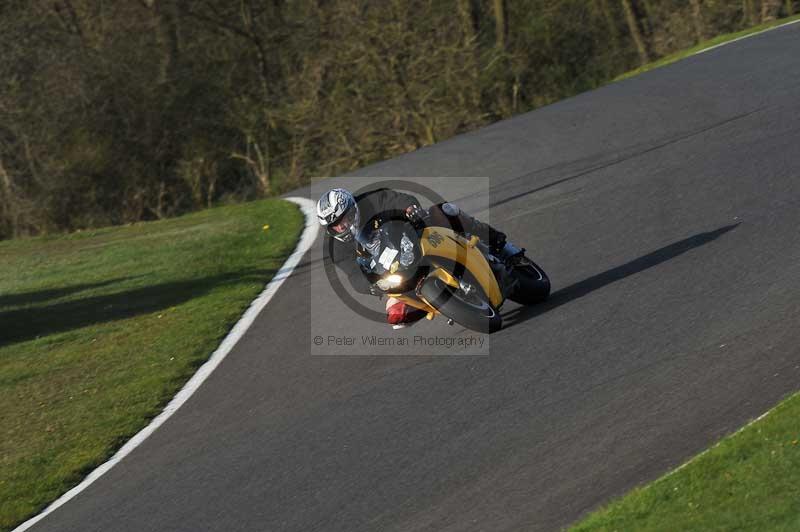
[(601, 280)]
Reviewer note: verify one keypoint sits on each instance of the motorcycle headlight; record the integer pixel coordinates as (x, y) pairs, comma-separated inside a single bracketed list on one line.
[(406, 251), (389, 282)]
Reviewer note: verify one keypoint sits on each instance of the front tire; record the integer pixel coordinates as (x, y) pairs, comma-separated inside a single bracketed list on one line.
[(533, 286), (473, 311)]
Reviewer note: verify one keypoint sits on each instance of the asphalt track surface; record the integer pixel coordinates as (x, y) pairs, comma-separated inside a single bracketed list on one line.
[(665, 208)]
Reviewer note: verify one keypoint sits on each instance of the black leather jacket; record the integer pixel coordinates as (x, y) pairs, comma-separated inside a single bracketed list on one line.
[(374, 207)]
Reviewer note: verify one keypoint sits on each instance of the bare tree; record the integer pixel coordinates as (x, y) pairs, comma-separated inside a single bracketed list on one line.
[(697, 20), (121, 111), (636, 34), (500, 24), (249, 20), (166, 22), (770, 9), (749, 11), (611, 23)]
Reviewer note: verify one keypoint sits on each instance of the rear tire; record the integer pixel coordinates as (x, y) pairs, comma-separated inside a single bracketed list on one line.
[(473, 311), (534, 285)]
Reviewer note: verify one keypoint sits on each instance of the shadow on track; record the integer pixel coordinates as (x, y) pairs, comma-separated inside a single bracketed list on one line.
[(596, 282), (23, 324)]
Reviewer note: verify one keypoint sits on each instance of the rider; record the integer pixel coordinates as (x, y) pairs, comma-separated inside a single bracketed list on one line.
[(344, 215)]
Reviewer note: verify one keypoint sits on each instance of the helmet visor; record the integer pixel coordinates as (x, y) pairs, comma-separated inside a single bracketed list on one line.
[(346, 226)]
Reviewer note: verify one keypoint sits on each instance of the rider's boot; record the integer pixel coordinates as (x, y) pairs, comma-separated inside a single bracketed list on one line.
[(464, 223), (488, 234), (511, 254), (499, 246)]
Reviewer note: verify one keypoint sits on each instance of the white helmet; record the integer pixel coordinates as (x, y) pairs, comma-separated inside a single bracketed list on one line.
[(338, 212)]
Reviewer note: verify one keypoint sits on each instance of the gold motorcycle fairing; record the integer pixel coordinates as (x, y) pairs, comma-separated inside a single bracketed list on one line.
[(446, 244)]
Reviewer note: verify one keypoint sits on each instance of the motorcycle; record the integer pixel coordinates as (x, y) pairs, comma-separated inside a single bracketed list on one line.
[(441, 271)]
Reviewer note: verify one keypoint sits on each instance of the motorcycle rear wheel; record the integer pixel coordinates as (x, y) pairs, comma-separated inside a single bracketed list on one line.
[(473, 311)]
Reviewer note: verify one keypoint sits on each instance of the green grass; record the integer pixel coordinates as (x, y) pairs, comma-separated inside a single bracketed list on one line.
[(99, 329), (749, 481), (677, 56)]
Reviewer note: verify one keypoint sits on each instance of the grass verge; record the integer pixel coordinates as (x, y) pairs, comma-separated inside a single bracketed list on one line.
[(677, 56), (99, 329), (748, 481)]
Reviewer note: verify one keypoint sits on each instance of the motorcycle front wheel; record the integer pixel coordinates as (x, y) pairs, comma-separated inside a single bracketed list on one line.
[(533, 286), (472, 310)]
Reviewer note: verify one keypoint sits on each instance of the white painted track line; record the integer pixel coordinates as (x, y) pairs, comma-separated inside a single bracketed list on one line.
[(244, 323), (746, 36)]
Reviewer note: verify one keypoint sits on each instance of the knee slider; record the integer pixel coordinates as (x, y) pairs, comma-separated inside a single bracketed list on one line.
[(450, 209)]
